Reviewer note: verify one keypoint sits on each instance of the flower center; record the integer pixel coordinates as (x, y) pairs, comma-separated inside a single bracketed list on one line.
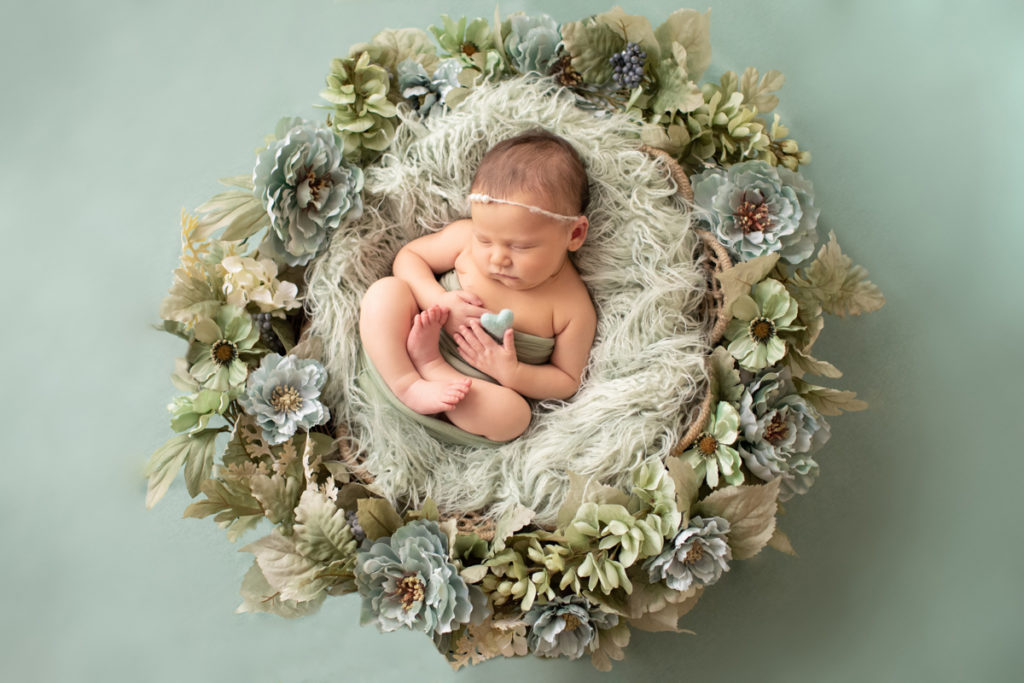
[(468, 49), (223, 351), (315, 185), (761, 330), (572, 622), (777, 430), (410, 590), (753, 216), (285, 399), (694, 555), (707, 444)]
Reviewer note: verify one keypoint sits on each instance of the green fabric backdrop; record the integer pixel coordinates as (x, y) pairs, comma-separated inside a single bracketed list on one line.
[(117, 114)]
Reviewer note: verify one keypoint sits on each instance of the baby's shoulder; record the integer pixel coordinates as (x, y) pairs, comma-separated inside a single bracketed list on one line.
[(572, 303)]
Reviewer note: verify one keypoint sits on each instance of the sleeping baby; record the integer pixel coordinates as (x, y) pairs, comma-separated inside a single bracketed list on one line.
[(439, 332)]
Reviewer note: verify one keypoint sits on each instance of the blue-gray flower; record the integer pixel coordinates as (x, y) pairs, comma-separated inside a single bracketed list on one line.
[(778, 432), (756, 208), (532, 42), (306, 187), (423, 93), (565, 626), (282, 395), (696, 556), (407, 581)]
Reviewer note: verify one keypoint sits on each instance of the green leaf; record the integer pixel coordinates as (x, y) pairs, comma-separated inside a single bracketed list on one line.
[(511, 522), (377, 517), (243, 182), (321, 531), (283, 329), (193, 451), (474, 574), (288, 572), (841, 287), (241, 214), (738, 280), (231, 501), (727, 383), (691, 30), (591, 46), (750, 511), (676, 93), (758, 93), (829, 401), (632, 28), (190, 298), (279, 495), (258, 596)]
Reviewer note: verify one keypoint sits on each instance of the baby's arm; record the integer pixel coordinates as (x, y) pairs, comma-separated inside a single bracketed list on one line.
[(418, 262), (560, 378)]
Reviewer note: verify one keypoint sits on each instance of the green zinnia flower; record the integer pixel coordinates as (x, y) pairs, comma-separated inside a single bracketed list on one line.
[(215, 357), (364, 116), (753, 333), (712, 451)]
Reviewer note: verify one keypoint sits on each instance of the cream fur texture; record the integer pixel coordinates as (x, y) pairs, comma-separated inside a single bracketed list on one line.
[(646, 375)]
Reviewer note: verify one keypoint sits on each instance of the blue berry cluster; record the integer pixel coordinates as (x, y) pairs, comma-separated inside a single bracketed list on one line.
[(628, 66), (267, 334)]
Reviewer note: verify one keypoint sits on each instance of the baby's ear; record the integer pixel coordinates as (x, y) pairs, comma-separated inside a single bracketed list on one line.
[(579, 233)]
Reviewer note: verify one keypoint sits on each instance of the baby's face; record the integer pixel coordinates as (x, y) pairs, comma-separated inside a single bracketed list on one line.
[(518, 248)]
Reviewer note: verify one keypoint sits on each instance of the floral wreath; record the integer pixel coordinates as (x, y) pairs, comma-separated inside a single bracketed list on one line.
[(617, 559)]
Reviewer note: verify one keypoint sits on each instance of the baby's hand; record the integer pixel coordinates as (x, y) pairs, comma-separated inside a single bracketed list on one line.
[(482, 352), (463, 307)]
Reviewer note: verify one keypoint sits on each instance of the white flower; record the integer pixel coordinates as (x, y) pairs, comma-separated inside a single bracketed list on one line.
[(247, 280)]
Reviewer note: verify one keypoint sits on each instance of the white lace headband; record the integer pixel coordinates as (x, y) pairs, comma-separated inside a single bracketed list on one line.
[(488, 199)]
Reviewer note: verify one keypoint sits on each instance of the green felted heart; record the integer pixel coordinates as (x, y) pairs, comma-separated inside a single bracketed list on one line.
[(497, 324)]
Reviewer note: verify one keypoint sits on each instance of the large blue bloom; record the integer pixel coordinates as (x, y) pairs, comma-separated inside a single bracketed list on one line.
[(778, 432), (696, 556), (565, 626), (282, 395), (756, 208), (407, 581), (306, 187), (532, 42)]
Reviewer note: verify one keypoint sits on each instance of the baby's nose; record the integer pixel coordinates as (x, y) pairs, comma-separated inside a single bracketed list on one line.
[(500, 255)]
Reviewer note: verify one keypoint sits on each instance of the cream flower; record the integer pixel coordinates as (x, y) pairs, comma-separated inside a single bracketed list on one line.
[(247, 280)]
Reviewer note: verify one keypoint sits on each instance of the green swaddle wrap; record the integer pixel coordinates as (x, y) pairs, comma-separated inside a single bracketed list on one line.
[(529, 349)]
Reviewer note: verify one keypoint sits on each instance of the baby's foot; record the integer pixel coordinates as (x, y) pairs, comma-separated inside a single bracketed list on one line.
[(425, 335), (427, 398)]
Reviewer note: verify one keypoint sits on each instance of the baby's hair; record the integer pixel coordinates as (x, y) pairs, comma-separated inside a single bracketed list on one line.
[(537, 162)]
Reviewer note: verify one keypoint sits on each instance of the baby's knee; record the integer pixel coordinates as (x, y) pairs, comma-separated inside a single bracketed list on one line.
[(386, 294), (512, 417)]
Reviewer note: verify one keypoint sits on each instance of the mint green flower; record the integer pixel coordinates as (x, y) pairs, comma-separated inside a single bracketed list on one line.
[(753, 333), (407, 581), (756, 208), (426, 94), (216, 355), (565, 627), (712, 452), (193, 413), (463, 39)]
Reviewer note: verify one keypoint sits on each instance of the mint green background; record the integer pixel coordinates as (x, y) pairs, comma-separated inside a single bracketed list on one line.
[(117, 114)]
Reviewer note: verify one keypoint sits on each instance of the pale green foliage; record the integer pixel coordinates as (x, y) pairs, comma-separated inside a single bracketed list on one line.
[(363, 116), (238, 212), (391, 47), (687, 34), (378, 518), (837, 284), (759, 93), (259, 596), (229, 498), (726, 383), (194, 452), (321, 530), (591, 45)]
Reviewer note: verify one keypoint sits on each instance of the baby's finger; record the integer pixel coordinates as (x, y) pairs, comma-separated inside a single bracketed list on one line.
[(509, 342), (470, 298), (469, 336), (482, 335)]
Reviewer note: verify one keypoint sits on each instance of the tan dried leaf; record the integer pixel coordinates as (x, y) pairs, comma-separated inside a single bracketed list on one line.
[(802, 363), (737, 281), (841, 287), (750, 511), (780, 541), (377, 517), (829, 401)]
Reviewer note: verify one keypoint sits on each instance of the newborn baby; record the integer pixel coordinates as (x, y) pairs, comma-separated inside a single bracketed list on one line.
[(512, 255)]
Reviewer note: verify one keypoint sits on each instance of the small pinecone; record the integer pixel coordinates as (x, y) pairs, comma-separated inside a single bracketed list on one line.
[(564, 74), (267, 334)]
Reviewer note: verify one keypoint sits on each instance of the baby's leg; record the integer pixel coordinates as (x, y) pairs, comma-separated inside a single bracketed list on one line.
[(490, 410), (385, 319)]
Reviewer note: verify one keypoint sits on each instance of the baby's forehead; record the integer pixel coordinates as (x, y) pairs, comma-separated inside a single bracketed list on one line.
[(522, 201)]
